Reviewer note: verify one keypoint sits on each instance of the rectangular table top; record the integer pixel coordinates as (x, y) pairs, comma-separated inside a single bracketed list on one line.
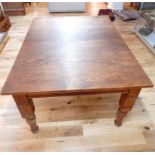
[(73, 54)]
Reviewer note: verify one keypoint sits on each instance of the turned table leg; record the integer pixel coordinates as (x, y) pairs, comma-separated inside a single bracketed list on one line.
[(26, 108), (126, 103)]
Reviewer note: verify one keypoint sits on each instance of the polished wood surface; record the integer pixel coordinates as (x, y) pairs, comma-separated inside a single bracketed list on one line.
[(14, 8), (89, 56), (84, 123)]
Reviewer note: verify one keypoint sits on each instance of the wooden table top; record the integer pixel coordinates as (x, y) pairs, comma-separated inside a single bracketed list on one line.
[(73, 54)]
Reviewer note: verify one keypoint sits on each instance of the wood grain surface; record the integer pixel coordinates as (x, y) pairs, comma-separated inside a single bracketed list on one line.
[(70, 54)]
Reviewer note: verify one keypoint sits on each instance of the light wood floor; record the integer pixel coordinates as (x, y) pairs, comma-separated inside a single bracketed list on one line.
[(77, 123)]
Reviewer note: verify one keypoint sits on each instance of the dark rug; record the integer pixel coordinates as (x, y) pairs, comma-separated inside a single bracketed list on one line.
[(108, 12)]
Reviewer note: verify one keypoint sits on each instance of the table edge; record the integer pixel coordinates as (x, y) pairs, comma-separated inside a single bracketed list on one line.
[(77, 91)]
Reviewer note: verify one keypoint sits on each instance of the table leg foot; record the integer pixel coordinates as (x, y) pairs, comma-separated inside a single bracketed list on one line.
[(26, 108), (117, 123), (126, 103), (33, 126), (119, 119)]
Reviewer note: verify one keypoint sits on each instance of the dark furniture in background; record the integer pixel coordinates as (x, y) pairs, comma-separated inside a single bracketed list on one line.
[(146, 5), (4, 21), (14, 8)]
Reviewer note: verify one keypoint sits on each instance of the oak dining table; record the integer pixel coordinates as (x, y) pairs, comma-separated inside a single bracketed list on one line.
[(63, 56)]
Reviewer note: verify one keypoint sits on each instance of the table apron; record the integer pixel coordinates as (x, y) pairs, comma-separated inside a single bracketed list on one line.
[(74, 93)]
